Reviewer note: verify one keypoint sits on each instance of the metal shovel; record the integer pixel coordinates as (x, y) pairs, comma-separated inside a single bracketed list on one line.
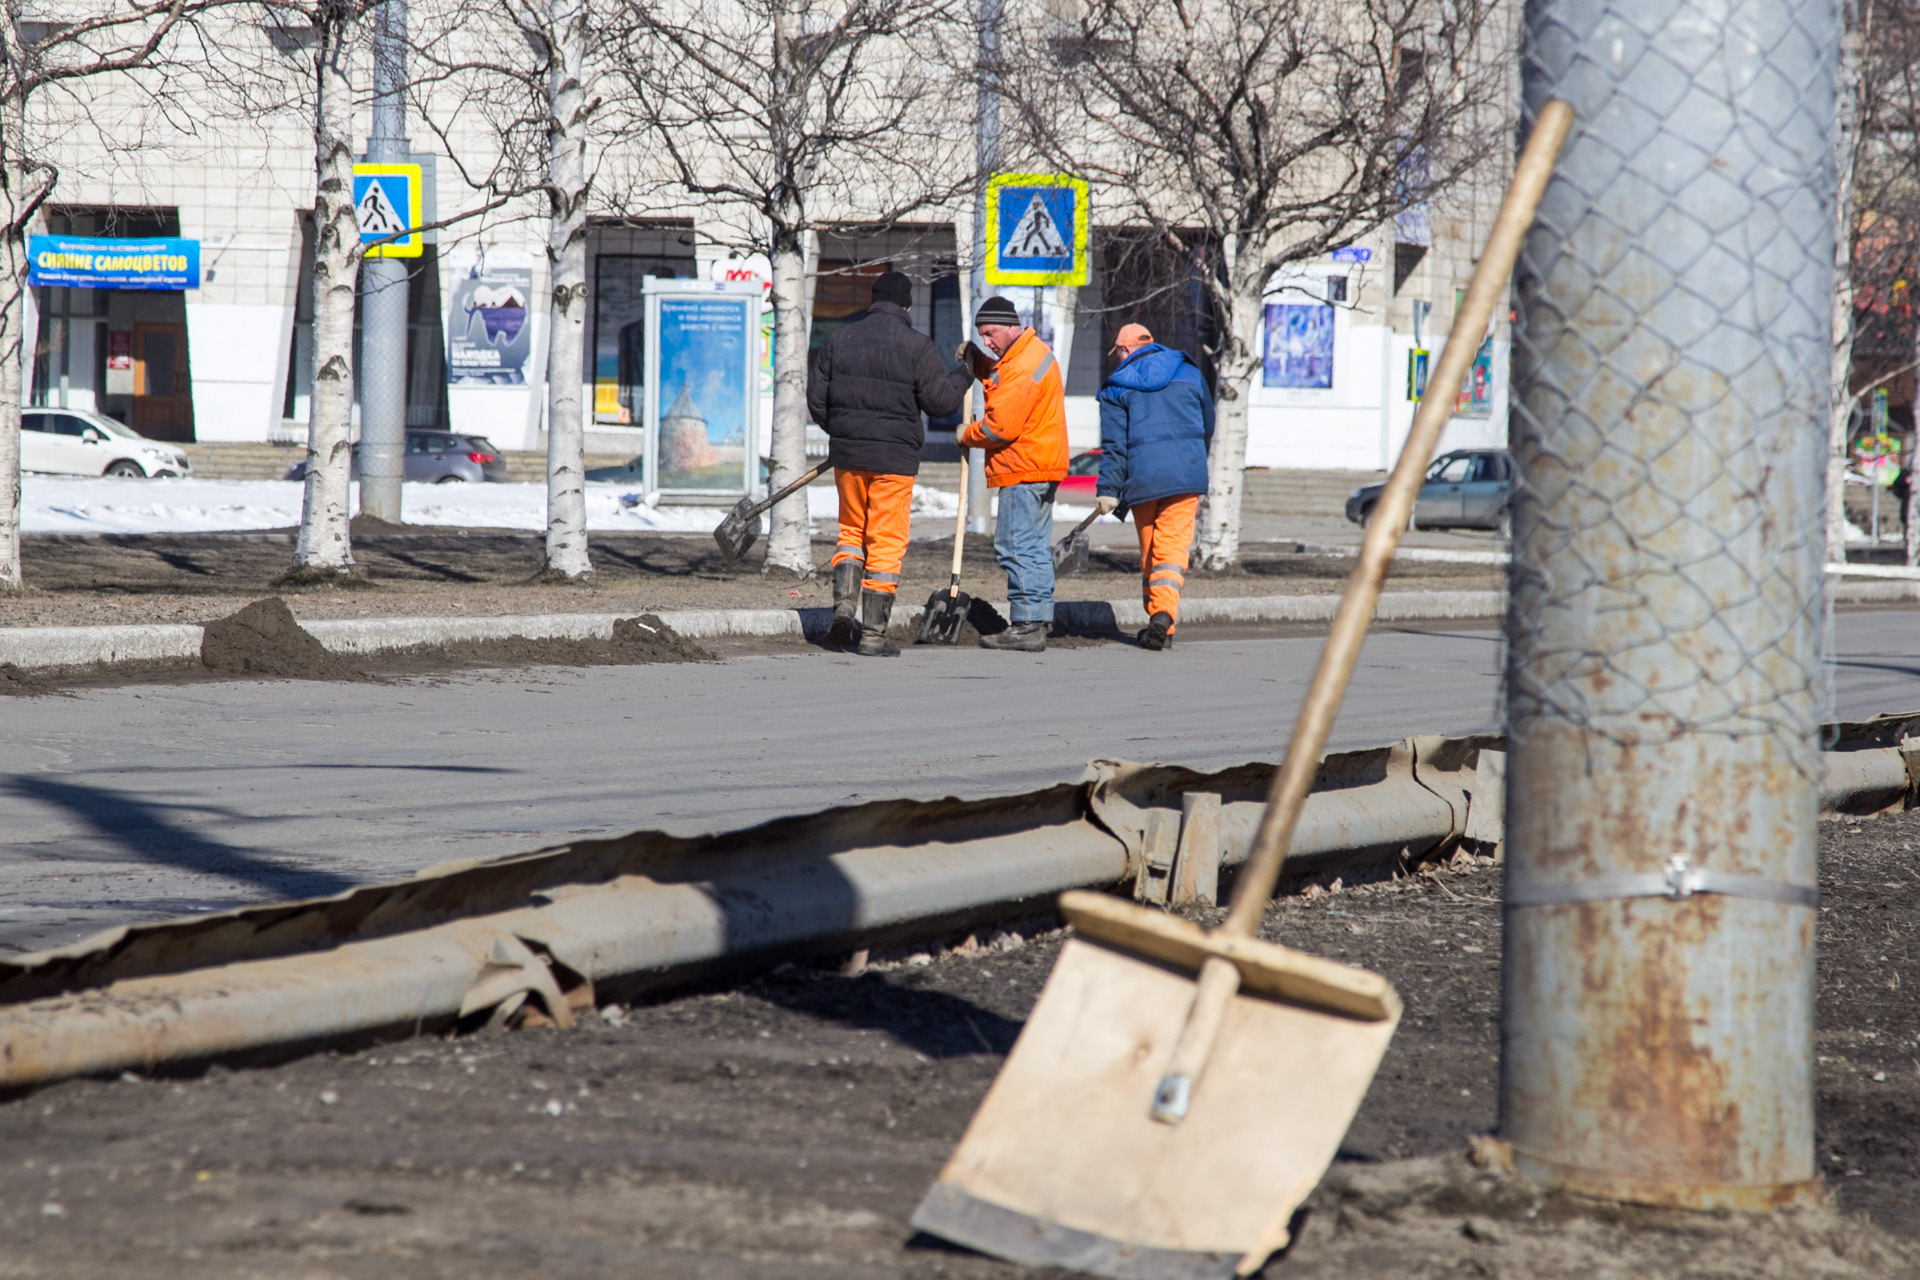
[(1071, 552), (946, 611), (1175, 1093), (742, 525)]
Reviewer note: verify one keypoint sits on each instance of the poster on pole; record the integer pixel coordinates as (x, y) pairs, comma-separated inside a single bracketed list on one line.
[(1299, 346), (488, 337), (702, 387)]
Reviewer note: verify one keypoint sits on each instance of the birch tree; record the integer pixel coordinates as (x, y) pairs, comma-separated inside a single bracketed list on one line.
[(507, 91), (324, 547), (1261, 133), (802, 115), (44, 57)]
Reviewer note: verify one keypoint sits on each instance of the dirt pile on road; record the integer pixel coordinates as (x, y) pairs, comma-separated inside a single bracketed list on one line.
[(648, 639), (982, 620), (264, 640)]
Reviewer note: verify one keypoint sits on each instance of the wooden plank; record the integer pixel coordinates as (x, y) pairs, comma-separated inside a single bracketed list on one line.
[(1196, 865), (1266, 968)]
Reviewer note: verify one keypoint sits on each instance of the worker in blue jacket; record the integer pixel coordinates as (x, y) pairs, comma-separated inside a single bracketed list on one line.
[(1156, 421)]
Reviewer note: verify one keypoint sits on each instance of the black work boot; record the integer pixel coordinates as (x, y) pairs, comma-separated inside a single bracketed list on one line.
[(1021, 637), (876, 609), (846, 604), (1158, 633)]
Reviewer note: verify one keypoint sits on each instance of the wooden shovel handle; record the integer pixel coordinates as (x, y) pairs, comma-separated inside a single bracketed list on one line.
[(807, 477), (1322, 704), (959, 530)]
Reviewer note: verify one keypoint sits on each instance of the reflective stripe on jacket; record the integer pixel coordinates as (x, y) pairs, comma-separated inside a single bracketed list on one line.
[(1025, 428)]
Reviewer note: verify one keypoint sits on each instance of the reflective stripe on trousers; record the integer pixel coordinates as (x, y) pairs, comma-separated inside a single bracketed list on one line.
[(875, 512), (1165, 527)]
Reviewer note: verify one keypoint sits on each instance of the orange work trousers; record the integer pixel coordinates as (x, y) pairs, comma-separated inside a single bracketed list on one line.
[(874, 513), (1166, 540)]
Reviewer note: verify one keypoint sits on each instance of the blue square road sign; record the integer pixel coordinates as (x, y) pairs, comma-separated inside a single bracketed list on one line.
[(1036, 231), (386, 202)]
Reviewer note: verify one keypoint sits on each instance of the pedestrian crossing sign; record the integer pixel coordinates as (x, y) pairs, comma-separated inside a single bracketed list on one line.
[(1036, 229), (386, 201)]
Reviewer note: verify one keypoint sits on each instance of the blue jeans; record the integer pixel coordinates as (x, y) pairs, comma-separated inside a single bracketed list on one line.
[(1023, 541)]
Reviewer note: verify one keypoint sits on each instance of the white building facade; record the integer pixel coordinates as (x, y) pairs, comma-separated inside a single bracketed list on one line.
[(231, 359)]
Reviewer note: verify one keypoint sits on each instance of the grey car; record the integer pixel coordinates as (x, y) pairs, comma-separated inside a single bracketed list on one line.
[(1468, 487), (438, 457)]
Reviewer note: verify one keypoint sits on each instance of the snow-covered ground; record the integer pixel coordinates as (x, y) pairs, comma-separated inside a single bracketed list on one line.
[(63, 504)]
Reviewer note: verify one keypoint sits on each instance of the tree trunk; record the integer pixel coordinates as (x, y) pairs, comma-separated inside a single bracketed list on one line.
[(567, 257), (1219, 533), (1840, 371), (325, 542), (13, 292), (790, 537)]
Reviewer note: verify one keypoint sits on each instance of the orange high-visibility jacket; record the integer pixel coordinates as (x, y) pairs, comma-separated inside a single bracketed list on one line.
[(1025, 428)]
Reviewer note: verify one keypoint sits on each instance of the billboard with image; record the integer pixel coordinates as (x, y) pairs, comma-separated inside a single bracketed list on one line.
[(702, 389)]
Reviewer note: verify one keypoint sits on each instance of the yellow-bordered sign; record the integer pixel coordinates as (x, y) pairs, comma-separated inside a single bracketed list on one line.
[(386, 199), (1037, 229)]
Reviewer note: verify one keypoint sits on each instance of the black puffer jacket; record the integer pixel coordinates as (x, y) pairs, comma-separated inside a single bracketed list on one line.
[(868, 385)]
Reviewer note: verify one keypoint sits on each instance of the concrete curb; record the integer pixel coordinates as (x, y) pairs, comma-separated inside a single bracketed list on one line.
[(83, 646), (45, 647)]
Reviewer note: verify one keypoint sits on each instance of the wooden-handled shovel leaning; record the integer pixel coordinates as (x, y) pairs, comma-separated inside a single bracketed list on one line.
[(742, 525), (1176, 1093)]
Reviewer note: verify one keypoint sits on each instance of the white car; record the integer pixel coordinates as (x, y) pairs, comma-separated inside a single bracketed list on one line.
[(72, 442)]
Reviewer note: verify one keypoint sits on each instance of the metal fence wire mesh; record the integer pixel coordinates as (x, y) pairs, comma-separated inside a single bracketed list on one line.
[(1663, 678), (1671, 371)]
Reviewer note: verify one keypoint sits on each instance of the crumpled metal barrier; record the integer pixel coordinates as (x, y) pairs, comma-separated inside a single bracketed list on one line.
[(551, 931), (1392, 804)]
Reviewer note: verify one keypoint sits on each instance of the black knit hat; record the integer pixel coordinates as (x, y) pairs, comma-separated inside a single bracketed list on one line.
[(894, 287), (996, 310)]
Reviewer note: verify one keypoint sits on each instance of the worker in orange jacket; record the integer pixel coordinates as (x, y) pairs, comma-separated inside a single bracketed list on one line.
[(1024, 434)]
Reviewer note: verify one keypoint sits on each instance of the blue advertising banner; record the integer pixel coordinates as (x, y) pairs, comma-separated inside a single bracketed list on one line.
[(702, 386), (85, 262)]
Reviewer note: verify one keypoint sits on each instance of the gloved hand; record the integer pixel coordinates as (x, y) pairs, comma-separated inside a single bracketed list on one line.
[(1106, 503)]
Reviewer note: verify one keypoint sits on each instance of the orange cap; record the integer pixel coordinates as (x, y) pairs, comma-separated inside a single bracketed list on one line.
[(1131, 336)]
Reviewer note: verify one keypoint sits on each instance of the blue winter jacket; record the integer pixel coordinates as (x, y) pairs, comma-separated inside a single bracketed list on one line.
[(1156, 420)]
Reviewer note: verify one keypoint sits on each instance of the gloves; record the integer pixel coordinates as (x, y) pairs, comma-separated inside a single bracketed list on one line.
[(1105, 503), (976, 361)]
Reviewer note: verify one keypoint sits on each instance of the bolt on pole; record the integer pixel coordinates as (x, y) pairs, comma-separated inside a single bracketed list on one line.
[(1670, 374), (383, 289)]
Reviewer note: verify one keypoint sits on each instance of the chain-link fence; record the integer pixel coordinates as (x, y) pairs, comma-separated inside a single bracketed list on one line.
[(1663, 670)]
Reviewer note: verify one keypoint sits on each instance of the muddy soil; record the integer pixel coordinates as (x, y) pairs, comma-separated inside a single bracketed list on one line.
[(94, 581), (264, 641), (786, 1126)]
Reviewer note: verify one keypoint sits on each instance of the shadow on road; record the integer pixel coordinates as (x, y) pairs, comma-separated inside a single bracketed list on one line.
[(149, 832)]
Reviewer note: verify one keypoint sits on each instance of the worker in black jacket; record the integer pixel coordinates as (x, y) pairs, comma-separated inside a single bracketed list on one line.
[(867, 387)]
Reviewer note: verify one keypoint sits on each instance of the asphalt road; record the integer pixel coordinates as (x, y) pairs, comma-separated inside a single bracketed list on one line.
[(132, 803)]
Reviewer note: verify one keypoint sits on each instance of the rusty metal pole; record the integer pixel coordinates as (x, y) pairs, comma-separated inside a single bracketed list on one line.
[(1665, 615)]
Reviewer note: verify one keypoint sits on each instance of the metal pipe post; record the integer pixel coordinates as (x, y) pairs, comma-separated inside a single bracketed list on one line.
[(383, 290), (1665, 611), (986, 140)]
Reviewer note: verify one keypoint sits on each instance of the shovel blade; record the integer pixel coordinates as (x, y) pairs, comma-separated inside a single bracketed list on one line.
[(944, 616), (738, 531), (1071, 553), (1062, 1165)]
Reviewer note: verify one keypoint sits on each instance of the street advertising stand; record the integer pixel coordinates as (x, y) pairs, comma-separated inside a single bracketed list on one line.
[(702, 395)]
